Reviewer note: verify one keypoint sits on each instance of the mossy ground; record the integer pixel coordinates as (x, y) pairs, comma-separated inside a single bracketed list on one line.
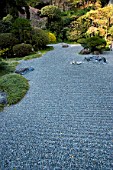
[(13, 84)]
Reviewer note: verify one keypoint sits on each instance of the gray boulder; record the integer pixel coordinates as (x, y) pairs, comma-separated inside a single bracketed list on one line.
[(3, 98)]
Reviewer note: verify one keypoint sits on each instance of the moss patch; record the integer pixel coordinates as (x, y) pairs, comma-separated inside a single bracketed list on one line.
[(29, 57), (15, 86), (1, 107), (7, 67)]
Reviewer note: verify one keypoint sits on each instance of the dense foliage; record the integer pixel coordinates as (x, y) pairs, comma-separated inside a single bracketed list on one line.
[(94, 43), (52, 38), (21, 28), (5, 27), (69, 20), (13, 7), (39, 38), (54, 22), (21, 50), (7, 40)]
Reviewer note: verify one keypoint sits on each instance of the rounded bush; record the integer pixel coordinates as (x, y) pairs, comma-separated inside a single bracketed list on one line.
[(51, 11), (21, 50), (7, 40), (96, 43), (5, 27), (21, 28), (52, 37), (40, 38)]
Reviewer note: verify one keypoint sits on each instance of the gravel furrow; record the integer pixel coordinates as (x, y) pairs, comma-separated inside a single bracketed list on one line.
[(65, 121)]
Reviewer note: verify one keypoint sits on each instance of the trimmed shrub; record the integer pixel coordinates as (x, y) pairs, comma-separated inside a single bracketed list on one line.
[(21, 28), (51, 11), (39, 38), (54, 20), (52, 37), (22, 50), (7, 40), (82, 41), (94, 43), (5, 27)]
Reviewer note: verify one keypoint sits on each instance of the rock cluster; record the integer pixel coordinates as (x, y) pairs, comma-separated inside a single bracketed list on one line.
[(96, 59)]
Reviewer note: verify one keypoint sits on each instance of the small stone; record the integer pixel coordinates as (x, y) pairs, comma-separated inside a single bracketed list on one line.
[(96, 52), (65, 45), (85, 51), (76, 62)]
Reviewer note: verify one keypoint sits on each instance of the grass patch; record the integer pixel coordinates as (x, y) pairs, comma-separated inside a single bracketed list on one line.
[(7, 67), (15, 86), (70, 42), (48, 48), (1, 107), (38, 54), (29, 57)]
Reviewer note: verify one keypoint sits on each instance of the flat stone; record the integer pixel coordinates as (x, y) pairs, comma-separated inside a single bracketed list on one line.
[(23, 71), (65, 45)]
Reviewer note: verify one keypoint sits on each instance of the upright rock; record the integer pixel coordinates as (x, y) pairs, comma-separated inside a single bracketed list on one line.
[(3, 98)]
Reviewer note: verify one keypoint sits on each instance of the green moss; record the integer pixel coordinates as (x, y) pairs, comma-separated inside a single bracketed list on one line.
[(1, 107), (29, 57), (15, 86), (7, 67), (44, 51)]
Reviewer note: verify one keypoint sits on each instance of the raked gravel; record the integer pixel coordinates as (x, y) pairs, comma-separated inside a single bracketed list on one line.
[(65, 121)]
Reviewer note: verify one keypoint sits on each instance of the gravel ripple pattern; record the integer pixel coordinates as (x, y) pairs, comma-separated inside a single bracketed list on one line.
[(65, 121)]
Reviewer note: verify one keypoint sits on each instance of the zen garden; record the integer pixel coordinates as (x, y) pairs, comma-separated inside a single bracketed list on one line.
[(56, 84)]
